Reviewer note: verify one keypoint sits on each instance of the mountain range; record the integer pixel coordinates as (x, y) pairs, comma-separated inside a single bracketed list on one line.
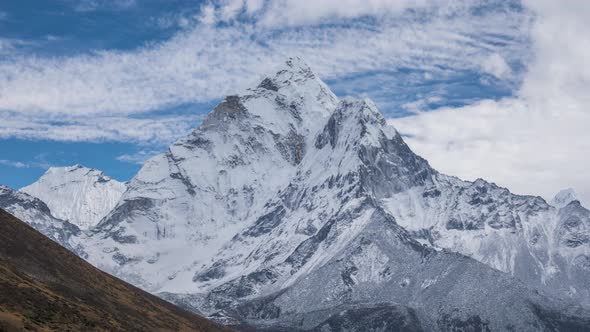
[(290, 208)]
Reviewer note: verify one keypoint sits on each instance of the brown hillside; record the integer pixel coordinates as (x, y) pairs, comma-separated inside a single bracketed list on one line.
[(45, 287)]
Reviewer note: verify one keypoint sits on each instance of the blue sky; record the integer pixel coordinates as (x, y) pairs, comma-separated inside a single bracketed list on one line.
[(70, 27), (109, 83)]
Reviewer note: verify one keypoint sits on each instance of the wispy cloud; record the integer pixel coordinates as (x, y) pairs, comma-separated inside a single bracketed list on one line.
[(496, 65), (139, 157), (536, 142), (20, 164), (207, 61), (153, 130), (11, 163), (92, 5), (290, 13), (13, 47)]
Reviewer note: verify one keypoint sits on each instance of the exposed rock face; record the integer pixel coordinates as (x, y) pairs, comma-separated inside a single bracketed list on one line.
[(290, 209), (80, 195)]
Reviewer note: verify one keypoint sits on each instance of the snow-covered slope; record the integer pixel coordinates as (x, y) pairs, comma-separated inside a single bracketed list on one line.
[(81, 195), (37, 214), (287, 206)]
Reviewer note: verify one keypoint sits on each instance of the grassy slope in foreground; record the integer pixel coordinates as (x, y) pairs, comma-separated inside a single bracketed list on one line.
[(45, 287)]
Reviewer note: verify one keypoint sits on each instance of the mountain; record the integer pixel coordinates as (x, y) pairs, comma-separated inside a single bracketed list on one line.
[(291, 209), (45, 287), (188, 202), (80, 195)]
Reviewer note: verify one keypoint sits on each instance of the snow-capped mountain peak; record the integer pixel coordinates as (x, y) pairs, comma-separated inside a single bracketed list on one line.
[(80, 195), (563, 198), (191, 200), (287, 205)]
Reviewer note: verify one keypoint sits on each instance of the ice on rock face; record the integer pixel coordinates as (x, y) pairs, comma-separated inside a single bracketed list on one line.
[(80, 195)]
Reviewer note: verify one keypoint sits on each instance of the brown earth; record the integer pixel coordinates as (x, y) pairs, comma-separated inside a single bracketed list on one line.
[(44, 287)]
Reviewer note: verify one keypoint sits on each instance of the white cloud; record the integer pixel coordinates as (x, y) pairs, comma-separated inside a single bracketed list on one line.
[(159, 131), (11, 163), (10, 47), (281, 13), (505, 142), (253, 6), (19, 164), (495, 64), (230, 9), (207, 62), (208, 15), (536, 142), (139, 157), (92, 5), (559, 78)]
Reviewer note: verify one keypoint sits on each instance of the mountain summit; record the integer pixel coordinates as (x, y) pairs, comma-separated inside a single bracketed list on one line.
[(81, 195), (289, 208)]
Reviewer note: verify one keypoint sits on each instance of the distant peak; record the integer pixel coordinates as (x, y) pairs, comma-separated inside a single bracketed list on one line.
[(76, 193), (564, 197), (65, 168), (74, 173), (73, 168)]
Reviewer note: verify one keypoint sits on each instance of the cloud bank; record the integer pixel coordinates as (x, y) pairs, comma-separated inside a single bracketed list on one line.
[(536, 142)]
